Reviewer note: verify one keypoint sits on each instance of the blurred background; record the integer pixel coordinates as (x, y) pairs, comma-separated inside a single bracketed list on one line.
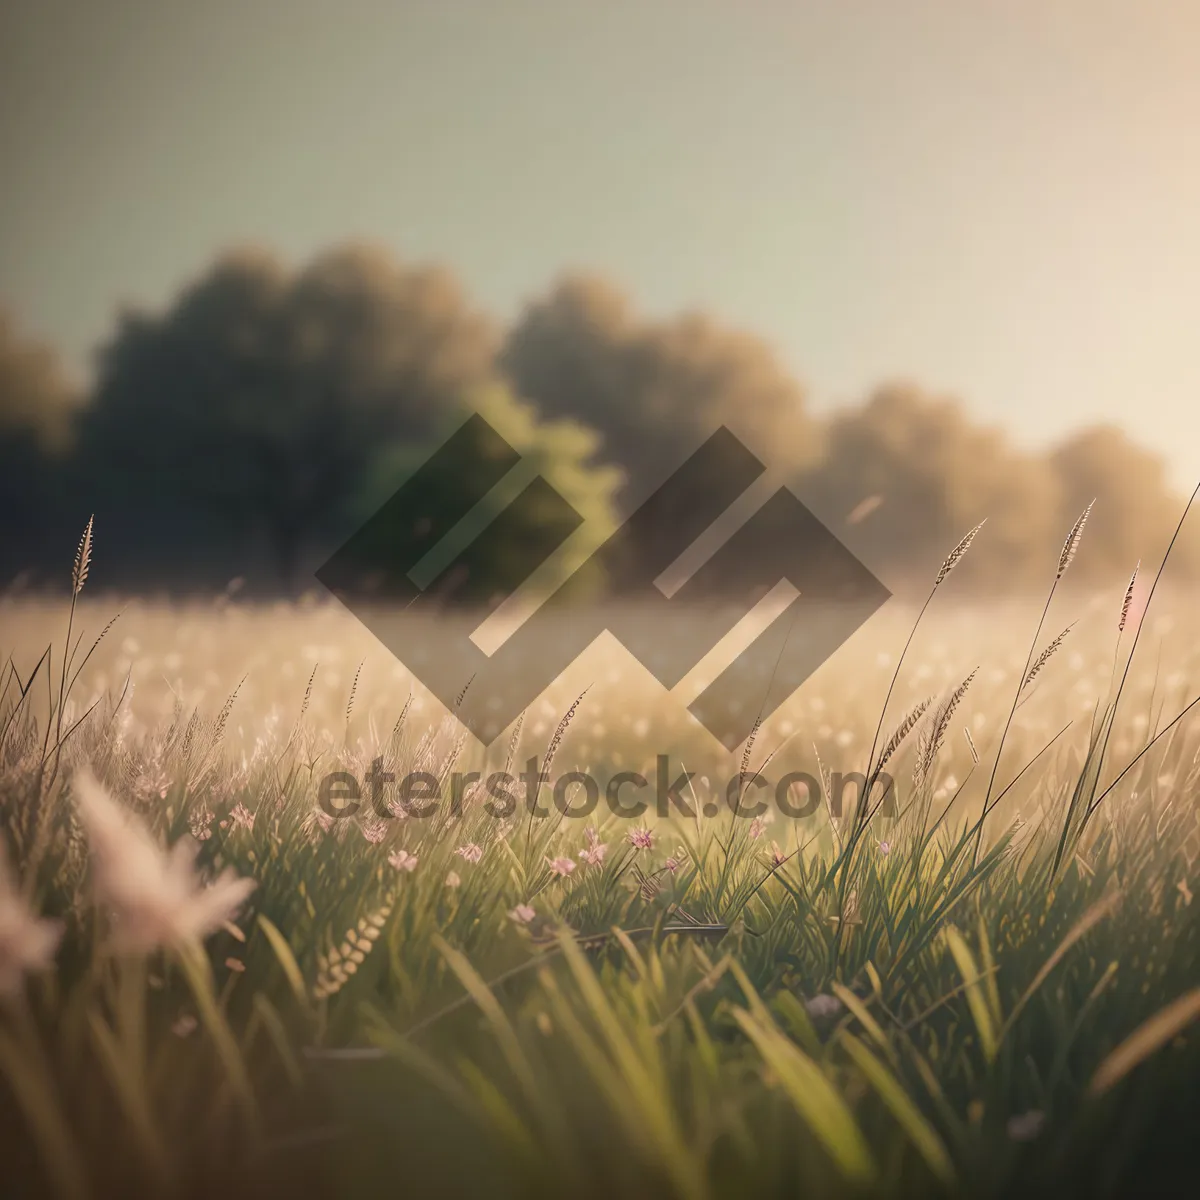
[(933, 262)]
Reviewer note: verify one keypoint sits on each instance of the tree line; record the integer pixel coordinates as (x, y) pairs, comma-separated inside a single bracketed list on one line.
[(268, 410)]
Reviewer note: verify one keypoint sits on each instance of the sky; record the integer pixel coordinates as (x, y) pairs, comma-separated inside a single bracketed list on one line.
[(995, 200)]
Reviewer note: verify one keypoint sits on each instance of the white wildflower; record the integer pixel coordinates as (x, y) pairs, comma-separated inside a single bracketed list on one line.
[(156, 896)]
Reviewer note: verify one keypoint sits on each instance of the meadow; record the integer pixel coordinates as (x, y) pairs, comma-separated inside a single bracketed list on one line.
[(988, 986)]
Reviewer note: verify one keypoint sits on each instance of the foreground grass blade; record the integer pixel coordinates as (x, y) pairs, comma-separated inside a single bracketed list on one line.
[(1149, 1037), (1089, 920), (814, 1097), (133, 1097), (286, 959), (920, 1132), (34, 1094), (199, 976), (977, 997), (641, 1078)]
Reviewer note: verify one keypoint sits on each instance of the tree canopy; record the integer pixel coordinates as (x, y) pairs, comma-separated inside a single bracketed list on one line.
[(654, 389), (255, 421)]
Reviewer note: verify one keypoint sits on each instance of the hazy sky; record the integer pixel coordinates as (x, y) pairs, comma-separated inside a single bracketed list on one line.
[(999, 198)]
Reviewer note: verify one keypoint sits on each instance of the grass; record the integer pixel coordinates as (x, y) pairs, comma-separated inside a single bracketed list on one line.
[(955, 1000)]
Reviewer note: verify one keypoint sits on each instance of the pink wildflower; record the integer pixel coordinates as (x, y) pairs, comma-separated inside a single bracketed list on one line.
[(593, 856), (641, 839), (373, 830), (403, 861)]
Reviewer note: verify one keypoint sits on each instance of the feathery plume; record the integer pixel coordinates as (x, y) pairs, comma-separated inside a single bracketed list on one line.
[(957, 553), (567, 718), (1045, 656), (931, 741), (1128, 597), (902, 731), (308, 692), (750, 745), (399, 725), (1071, 545), (353, 692), (83, 559), (513, 743), (156, 896), (746, 752), (226, 709)]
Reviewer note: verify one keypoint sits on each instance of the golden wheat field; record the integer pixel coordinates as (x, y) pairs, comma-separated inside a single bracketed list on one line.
[(966, 992), (162, 657)]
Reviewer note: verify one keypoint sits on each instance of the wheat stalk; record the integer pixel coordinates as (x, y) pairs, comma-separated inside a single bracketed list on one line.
[(189, 734), (1071, 545), (746, 752), (83, 559), (957, 553), (568, 716), (902, 731), (399, 725), (353, 693), (226, 709), (335, 968), (308, 692), (513, 741), (1128, 597), (1045, 656), (931, 741), (750, 745)]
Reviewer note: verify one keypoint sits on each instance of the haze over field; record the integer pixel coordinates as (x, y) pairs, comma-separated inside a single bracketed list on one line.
[(997, 201), (831, 824), (814, 223)]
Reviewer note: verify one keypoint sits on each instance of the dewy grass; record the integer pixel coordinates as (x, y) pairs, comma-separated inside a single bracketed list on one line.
[(441, 1005)]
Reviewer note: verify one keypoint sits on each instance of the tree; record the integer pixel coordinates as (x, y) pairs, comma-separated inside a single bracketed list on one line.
[(553, 453), (906, 474), (655, 389), (263, 396), (37, 403), (1136, 510)]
